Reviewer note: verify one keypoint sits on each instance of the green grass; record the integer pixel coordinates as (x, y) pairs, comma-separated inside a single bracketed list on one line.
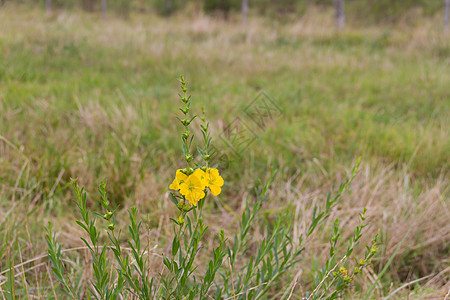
[(93, 100)]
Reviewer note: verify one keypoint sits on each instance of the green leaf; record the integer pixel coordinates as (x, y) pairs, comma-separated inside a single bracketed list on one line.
[(175, 246), (167, 263)]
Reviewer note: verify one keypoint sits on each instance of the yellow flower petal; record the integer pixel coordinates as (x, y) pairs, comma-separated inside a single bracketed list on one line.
[(215, 181), (192, 189), (174, 185), (215, 190), (180, 177), (202, 176)]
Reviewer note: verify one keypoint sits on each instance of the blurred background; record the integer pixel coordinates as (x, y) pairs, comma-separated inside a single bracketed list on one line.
[(364, 11), (88, 90)]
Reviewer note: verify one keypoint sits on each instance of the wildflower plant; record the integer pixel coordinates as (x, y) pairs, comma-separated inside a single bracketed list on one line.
[(237, 267)]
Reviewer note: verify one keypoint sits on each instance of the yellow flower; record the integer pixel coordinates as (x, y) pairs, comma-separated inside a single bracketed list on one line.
[(214, 181), (192, 189), (343, 270), (180, 177), (202, 176)]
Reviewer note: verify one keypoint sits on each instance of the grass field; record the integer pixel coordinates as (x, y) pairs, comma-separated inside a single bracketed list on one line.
[(96, 100)]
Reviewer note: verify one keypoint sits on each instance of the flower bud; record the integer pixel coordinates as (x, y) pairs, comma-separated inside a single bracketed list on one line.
[(108, 215), (187, 171), (111, 226), (188, 157), (185, 135), (347, 279), (180, 220), (206, 157)]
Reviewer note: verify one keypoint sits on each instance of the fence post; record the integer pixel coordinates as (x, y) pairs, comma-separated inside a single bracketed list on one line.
[(48, 6), (104, 10), (339, 14), (244, 12), (446, 14)]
